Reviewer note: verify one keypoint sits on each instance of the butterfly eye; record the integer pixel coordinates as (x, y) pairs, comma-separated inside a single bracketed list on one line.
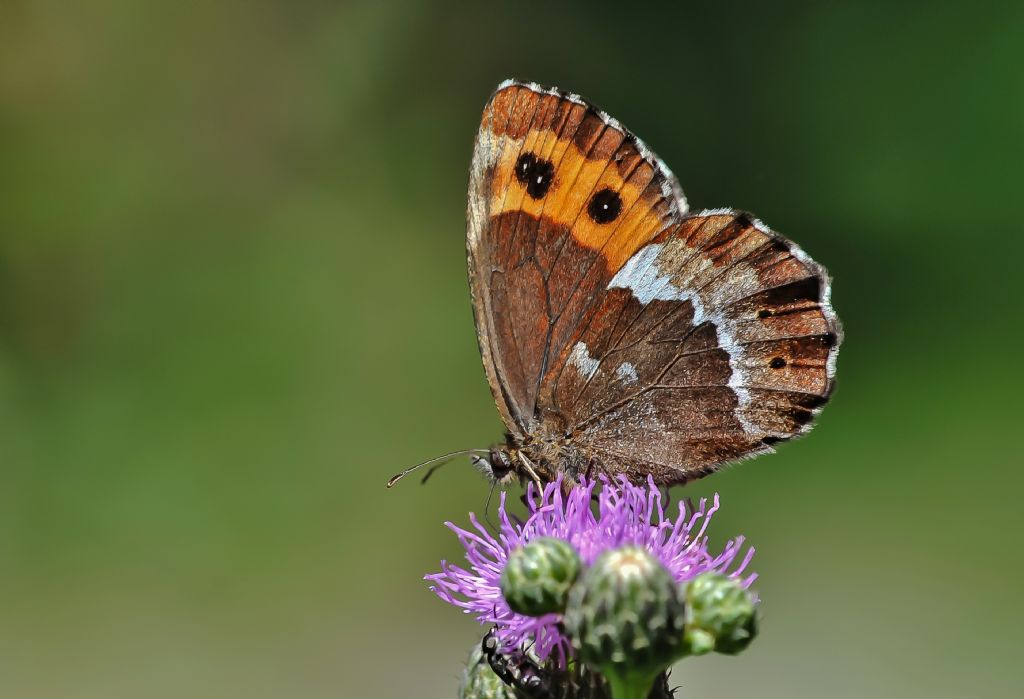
[(605, 206), (535, 174)]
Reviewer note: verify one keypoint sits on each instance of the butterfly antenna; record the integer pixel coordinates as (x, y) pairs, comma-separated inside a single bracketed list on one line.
[(443, 459)]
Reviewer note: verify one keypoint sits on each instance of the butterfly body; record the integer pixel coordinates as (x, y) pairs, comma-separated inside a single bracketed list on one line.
[(544, 454)]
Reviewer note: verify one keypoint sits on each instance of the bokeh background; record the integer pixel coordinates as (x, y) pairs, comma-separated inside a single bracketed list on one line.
[(233, 302)]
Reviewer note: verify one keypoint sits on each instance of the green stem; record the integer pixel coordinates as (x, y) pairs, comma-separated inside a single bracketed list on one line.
[(631, 686)]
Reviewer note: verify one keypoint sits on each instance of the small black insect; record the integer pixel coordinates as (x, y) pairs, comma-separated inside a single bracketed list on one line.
[(517, 671)]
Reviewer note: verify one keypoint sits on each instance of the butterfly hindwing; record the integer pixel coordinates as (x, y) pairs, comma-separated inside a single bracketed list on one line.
[(715, 341)]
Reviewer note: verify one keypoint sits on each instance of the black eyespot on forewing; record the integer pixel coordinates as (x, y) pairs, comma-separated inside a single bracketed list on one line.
[(605, 206), (535, 174), (777, 363), (543, 174), (524, 166)]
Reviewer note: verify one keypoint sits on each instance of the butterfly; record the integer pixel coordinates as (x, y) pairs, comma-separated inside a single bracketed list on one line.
[(621, 333)]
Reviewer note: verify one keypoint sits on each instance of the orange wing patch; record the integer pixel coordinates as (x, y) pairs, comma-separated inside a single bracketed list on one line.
[(554, 156)]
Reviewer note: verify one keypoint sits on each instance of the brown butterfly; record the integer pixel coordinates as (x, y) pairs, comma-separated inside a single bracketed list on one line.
[(619, 332)]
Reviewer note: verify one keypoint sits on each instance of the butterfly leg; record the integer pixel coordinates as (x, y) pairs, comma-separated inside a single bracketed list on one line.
[(568, 483), (528, 466), (487, 508)]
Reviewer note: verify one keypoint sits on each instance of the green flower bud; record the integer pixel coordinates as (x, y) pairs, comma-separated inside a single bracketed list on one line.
[(720, 615), (626, 617), (537, 576), (479, 680)]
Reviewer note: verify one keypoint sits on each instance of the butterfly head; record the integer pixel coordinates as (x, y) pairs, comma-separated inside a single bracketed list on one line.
[(500, 465)]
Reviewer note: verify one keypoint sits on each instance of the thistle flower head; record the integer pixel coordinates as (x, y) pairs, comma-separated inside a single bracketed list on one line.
[(626, 618), (720, 615), (625, 515), (538, 575)]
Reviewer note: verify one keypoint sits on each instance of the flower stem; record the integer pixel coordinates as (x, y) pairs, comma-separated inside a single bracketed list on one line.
[(632, 686)]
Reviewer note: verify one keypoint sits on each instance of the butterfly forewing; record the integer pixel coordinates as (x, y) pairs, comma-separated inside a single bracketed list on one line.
[(541, 244)]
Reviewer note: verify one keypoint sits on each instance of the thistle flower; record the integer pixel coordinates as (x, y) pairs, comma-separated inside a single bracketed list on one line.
[(626, 515), (537, 576), (626, 617), (720, 615)]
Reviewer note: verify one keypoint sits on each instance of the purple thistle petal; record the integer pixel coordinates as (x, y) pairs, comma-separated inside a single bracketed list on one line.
[(625, 514)]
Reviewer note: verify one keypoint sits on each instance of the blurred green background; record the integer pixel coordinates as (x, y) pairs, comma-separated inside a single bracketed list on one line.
[(233, 302)]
